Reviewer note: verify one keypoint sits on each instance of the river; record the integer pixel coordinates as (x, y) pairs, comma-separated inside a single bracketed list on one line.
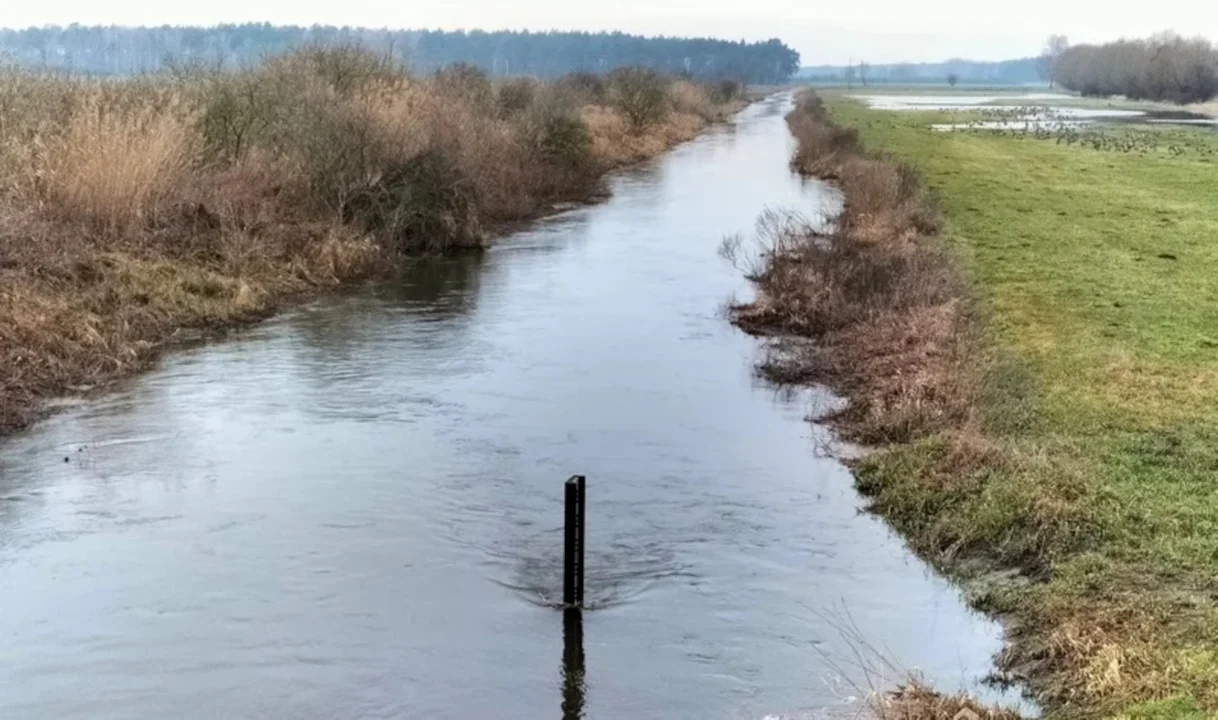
[(353, 510)]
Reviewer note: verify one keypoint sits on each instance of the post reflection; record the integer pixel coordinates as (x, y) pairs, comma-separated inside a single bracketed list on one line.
[(573, 686)]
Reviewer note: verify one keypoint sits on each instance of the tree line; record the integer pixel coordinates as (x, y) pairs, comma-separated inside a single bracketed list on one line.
[(115, 50), (1006, 72), (1165, 67)]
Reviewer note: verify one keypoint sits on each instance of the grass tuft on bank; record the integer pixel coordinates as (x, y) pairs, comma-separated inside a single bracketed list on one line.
[(1048, 411), (136, 210)]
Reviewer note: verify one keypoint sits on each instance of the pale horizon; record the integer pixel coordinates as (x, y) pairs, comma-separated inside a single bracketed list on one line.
[(879, 32)]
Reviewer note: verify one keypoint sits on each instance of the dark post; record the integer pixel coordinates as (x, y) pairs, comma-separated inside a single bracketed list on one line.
[(582, 482), (575, 496), (573, 544), (570, 539)]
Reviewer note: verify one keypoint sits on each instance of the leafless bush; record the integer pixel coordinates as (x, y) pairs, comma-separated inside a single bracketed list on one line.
[(726, 91), (516, 95), (466, 82), (641, 94), (589, 88), (346, 69)]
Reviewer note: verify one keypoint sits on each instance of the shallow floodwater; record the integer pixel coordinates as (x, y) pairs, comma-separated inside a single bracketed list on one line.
[(1027, 104), (353, 510), (1028, 111), (965, 101)]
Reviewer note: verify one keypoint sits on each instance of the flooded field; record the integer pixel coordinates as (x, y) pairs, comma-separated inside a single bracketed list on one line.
[(1028, 111)]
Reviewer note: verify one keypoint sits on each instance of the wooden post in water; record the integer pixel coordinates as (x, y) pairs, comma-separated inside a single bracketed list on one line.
[(573, 543), (582, 482)]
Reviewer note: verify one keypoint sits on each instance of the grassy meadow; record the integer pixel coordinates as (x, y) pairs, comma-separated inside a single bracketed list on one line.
[(1091, 462), (134, 211)]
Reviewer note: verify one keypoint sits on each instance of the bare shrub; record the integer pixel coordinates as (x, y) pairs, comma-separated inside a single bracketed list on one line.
[(424, 203), (466, 82), (556, 132), (588, 88), (516, 95), (344, 68), (237, 110), (380, 161), (640, 94), (726, 91)]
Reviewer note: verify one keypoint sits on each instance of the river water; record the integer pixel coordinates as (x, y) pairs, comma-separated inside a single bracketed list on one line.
[(354, 509)]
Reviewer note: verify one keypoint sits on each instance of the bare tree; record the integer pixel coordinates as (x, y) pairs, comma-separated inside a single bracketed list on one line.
[(850, 74), (1164, 67), (1050, 56), (863, 68)]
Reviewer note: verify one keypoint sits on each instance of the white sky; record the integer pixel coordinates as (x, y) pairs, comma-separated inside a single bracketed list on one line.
[(876, 31)]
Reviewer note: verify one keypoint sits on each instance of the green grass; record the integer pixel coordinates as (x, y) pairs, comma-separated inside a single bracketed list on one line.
[(1098, 275)]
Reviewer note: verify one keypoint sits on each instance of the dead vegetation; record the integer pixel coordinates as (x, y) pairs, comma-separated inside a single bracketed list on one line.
[(877, 291), (132, 210), (915, 701)]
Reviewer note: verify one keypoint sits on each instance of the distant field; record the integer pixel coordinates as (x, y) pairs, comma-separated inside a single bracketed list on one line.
[(1006, 93), (1097, 267)]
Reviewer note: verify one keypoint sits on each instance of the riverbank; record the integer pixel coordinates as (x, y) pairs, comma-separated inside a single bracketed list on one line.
[(138, 212), (1029, 347)]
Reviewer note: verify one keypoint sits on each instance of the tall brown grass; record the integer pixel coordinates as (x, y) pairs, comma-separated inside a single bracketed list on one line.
[(131, 209), (114, 170)]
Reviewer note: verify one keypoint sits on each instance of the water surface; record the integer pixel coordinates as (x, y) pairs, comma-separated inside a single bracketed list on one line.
[(1029, 111), (353, 510)]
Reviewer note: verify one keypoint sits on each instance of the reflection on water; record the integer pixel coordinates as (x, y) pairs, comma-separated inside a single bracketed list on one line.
[(572, 664), (355, 509)]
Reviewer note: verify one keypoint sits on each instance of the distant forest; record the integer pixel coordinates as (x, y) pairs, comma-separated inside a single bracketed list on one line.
[(127, 50), (1023, 71)]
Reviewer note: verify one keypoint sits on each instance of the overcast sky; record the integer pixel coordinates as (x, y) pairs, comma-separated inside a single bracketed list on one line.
[(876, 31)]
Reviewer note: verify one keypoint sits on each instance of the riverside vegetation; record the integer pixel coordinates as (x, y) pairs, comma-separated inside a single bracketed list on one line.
[(137, 211), (1028, 344)]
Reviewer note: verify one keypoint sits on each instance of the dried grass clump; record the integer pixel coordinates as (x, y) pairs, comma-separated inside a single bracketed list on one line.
[(691, 99), (915, 701), (111, 169), (885, 305)]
